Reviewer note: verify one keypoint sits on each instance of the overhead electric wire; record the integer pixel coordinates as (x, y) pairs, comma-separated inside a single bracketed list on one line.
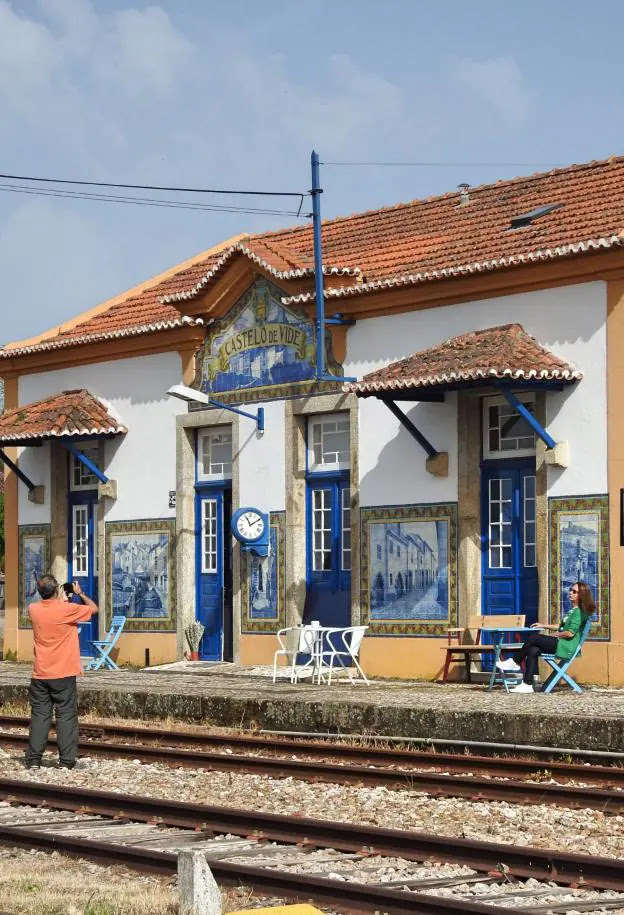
[(147, 201), (155, 187), (455, 164)]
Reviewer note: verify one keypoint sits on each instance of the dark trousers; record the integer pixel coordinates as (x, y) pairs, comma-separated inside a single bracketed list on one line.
[(44, 695), (533, 647)]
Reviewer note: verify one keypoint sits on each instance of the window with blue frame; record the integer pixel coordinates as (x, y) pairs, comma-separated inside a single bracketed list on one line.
[(214, 453), (506, 434), (329, 442)]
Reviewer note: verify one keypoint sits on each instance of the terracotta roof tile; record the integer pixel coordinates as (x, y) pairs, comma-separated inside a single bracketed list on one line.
[(506, 351), (69, 414), (409, 243)]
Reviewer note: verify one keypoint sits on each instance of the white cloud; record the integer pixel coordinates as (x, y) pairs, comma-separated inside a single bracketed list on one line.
[(500, 83), (142, 51), (125, 94)]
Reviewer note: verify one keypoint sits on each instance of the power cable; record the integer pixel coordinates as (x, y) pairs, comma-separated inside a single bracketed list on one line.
[(456, 164), (155, 187), (146, 201)]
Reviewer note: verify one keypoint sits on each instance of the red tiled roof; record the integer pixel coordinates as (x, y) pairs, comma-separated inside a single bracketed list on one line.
[(70, 414), (506, 351), (400, 245)]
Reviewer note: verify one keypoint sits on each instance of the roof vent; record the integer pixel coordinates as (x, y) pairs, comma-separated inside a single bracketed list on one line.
[(464, 196), (527, 219)]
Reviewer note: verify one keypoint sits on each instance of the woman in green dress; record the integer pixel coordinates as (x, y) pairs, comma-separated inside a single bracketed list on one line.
[(563, 643)]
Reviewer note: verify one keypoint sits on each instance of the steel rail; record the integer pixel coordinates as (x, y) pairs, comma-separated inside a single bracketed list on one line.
[(369, 756), (519, 861), (359, 899), (471, 787)]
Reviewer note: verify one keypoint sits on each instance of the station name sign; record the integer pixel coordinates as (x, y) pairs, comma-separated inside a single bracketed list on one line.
[(262, 335)]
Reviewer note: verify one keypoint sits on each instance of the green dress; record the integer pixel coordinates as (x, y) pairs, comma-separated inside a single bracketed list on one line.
[(571, 622)]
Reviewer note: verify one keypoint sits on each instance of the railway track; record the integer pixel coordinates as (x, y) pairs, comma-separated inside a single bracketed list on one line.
[(502, 767), (347, 867), (469, 786)]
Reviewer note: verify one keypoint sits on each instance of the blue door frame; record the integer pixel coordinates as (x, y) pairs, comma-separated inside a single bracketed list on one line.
[(328, 594), (213, 570), (509, 569), (89, 581)]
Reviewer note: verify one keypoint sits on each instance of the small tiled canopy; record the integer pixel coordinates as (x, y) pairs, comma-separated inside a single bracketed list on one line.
[(503, 353), (67, 415)]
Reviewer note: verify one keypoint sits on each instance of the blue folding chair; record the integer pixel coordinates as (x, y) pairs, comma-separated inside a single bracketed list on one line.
[(104, 647), (560, 667)]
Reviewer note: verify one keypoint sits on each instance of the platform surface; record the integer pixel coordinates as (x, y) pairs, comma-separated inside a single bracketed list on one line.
[(230, 696)]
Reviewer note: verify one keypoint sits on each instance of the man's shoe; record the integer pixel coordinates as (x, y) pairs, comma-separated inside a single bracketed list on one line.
[(509, 665), (32, 765), (522, 688)]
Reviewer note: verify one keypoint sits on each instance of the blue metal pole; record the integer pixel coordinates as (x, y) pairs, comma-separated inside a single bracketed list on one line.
[(534, 423), (316, 192)]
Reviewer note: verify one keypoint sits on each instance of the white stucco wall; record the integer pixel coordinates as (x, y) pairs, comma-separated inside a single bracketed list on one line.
[(262, 470), (570, 321), (143, 461), (35, 463)]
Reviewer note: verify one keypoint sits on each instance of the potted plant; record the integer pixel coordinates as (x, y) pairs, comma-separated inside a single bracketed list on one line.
[(194, 633)]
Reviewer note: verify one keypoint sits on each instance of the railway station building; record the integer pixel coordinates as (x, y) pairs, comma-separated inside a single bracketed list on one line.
[(471, 462)]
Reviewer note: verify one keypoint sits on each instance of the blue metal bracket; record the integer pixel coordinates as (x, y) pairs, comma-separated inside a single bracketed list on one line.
[(258, 417), (190, 395), (338, 319), (520, 408), (424, 443), (18, 473), (85, 460)]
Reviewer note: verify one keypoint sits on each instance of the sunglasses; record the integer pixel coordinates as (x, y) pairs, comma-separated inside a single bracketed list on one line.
[(573, 590)]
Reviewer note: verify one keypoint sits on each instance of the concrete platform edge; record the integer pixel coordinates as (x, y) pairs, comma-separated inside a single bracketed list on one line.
[(297, 714)]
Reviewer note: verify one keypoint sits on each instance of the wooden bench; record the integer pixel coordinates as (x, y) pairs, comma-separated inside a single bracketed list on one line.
[(464, 643)]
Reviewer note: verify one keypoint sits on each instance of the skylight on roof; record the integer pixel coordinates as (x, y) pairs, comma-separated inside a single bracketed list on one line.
[(527, 219)]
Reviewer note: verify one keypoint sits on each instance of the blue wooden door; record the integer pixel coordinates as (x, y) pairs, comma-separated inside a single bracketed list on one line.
[(214, 579), (83, 558), (328, 597), (509, 582)]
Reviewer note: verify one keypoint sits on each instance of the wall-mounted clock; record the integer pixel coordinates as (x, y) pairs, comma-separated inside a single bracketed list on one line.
[(250, 526)]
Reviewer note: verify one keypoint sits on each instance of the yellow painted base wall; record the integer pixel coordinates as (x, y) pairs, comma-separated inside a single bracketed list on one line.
[(131, 647), (601, 663), (257, 650)]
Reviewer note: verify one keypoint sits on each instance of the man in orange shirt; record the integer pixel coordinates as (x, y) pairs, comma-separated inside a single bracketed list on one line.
[(55, 668)]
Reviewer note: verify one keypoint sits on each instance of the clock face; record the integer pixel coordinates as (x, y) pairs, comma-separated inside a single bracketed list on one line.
[(250, 525)]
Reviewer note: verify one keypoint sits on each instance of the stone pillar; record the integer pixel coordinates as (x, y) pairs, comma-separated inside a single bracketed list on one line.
[(197, 888), (469, 505)]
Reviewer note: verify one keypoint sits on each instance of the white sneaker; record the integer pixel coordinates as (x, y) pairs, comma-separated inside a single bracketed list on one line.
[(522, 688), (509, 665)]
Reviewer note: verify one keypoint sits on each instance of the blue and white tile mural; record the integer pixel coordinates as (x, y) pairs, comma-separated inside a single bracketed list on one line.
[(579, 551), (263, 583), (408, 567), (408, 570), (34, 561), (139, 572), (259, 343)]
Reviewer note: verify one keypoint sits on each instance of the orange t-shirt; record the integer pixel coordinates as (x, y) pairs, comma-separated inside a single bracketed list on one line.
[(57, 650)]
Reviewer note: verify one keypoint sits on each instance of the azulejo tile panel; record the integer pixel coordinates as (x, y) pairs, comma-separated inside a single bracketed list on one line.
[(34, 561), (263, 583), (409, 569), (579, 551), (140, 574), (262, 350)]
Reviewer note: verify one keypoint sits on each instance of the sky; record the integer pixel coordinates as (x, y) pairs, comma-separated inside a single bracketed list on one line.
[(236, 94)]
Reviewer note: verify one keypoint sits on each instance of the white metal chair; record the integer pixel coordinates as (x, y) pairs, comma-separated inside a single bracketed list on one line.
[(342, 646), (295, 640)]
